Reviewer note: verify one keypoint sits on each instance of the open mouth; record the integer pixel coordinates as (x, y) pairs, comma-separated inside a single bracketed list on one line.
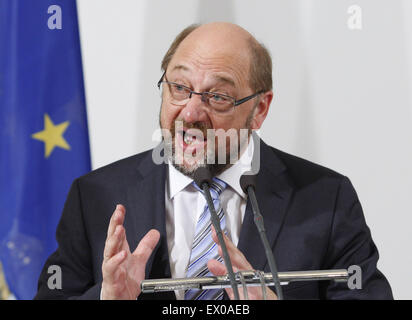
[(192, 138)]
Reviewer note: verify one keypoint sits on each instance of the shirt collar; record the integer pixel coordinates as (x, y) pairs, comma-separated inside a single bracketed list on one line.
[(177, 181)]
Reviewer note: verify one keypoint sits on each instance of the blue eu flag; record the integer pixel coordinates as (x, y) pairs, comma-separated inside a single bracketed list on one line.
[(44, 142)]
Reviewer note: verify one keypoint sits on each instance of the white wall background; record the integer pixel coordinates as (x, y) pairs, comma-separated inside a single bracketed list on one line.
[(342, 97)]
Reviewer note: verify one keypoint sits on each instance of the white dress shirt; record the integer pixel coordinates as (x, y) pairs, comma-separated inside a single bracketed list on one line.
[(184, 204)]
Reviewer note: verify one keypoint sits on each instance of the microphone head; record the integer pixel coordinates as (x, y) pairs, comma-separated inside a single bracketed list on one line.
[(202, 175), (247, 180)]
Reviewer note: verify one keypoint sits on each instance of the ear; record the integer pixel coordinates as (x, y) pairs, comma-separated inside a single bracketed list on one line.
[(261, 110)]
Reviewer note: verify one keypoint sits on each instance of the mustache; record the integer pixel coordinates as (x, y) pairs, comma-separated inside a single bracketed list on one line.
[(203, 127)]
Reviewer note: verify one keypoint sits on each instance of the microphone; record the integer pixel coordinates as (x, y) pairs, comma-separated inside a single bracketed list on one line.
[(203, 178), (248, 185)]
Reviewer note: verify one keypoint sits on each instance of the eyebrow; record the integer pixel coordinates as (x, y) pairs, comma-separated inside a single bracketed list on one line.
[(180, 67), (225, 80), (218, 78)]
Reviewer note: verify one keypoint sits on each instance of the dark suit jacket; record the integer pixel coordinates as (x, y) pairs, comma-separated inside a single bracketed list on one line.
[(312, 216)]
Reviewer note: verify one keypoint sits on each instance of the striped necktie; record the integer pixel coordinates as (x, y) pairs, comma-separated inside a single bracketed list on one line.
[(204, 248)]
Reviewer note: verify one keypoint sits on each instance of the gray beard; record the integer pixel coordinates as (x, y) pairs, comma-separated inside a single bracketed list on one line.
[(215, 168), (231, 156)]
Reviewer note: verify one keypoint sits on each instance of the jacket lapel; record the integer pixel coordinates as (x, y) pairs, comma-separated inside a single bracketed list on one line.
[(146, 199), (273, 192)]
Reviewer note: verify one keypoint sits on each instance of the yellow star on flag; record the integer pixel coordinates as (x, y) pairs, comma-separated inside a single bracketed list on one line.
[(52, 135)]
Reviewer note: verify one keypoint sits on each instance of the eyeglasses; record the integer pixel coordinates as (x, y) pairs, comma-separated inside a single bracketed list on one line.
[(217, 102)]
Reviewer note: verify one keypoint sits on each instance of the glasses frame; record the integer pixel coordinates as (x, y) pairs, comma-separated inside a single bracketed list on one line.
[(235, 102)]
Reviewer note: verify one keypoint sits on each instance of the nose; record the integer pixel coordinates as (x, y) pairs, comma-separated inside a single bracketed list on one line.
[(194, 111)]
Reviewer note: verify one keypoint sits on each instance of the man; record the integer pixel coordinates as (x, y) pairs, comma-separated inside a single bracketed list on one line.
[(216, 76)]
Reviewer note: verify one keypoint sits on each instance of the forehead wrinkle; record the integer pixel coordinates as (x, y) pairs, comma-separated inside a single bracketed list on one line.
[(219, 60), (219, 68)]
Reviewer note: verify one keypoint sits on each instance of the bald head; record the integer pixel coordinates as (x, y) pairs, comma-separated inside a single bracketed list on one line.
[(219, 36), (224, 28), (225, 43)]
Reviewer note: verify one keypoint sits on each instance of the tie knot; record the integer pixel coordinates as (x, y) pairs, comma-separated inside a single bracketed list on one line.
[(215, 189)]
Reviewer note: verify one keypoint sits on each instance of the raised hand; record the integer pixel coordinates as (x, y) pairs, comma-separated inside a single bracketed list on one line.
[(123, 271)]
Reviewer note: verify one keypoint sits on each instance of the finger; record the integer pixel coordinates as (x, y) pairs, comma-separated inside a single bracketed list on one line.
[(116, 219), (219, 269), (271, 295), (114, 243), (216, 267), (228, 242), (236, 256), (147, 245), (111, 265)]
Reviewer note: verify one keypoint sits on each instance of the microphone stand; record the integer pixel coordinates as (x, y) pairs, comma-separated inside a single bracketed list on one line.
[(248, 183)]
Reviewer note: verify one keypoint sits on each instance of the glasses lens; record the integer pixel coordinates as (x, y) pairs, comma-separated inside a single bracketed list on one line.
[(178, 92), (179, 95), (220, 103)]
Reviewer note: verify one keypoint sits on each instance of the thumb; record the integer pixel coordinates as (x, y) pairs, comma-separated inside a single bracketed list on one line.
[(146, 246)]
